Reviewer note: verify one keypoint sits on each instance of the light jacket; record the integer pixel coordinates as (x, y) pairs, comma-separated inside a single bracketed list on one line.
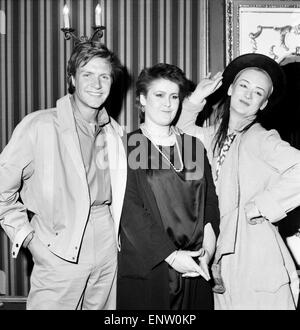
[(263, 170), (42, 164)]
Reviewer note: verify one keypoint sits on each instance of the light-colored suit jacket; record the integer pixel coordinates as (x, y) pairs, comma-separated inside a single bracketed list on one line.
[(42, 164), (259, 168)]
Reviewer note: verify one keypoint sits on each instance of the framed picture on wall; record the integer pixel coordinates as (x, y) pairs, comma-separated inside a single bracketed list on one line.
[(262, 26)]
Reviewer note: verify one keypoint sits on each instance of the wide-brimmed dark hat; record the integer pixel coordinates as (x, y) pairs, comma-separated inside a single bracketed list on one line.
[(254, 60)]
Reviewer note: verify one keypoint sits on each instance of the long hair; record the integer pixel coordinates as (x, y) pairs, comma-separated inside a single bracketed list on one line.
[(223, 116)]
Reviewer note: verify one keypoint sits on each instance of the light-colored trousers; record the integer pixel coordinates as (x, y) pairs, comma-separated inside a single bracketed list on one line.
[(88, 284)]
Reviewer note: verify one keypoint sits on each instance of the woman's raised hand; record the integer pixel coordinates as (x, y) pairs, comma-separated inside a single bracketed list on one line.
[(205, 88)]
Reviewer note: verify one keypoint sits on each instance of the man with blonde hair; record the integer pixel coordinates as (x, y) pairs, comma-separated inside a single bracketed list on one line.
[(68, 165)]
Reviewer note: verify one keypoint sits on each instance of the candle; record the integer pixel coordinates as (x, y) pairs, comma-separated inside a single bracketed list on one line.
[(98, 17), (2, 22), (66, 17)]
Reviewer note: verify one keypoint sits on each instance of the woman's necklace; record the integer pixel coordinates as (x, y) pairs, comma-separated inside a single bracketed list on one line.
[(148, 135)]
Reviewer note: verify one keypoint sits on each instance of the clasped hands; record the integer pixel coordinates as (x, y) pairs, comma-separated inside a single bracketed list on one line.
[(182, 261)]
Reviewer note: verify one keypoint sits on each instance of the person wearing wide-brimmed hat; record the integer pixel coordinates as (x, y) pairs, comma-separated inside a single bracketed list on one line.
[(257, 177)]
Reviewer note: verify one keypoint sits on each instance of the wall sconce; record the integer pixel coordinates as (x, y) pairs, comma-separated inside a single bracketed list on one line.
[(69, 32)]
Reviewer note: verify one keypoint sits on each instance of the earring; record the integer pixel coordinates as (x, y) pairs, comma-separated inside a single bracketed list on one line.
[(142, 108)]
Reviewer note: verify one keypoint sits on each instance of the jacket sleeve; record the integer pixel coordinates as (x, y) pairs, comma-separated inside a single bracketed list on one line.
[(145, 233), (188, 117), (283, 195), (15, 159)]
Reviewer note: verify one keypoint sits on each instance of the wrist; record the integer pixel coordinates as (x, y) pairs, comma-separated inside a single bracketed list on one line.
[(199, 101), (171, 258)]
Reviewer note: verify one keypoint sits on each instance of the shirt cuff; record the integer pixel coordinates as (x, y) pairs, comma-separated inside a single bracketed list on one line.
[(269, 208), (19, 238), (252, 211)]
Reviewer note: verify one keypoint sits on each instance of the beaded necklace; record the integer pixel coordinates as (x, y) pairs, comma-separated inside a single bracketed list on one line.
[(148, 135)]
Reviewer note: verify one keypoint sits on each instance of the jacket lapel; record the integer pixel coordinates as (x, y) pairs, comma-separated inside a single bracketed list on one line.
[(69, 136), (117, 168), (228, 187)]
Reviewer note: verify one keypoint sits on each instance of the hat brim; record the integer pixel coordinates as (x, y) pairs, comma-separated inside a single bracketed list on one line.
[(259, 61)]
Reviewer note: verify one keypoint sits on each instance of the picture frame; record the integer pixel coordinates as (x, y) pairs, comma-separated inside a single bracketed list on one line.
[(262, 26)]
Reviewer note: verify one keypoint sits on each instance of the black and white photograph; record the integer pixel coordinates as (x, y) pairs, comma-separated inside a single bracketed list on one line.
[(149, 158)]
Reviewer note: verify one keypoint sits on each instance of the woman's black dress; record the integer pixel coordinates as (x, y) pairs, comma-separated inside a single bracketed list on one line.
[(186, 201)]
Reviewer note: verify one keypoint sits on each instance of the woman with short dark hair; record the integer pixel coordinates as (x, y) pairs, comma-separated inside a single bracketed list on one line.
[(170, 215)]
